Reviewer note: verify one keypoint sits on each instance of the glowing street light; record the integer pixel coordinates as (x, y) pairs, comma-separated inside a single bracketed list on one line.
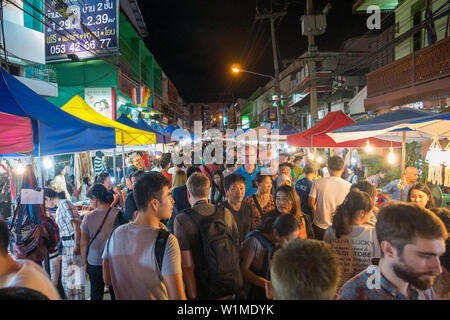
[(237, 69)]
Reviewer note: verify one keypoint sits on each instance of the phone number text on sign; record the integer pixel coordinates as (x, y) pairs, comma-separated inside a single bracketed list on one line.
[(86, 29)]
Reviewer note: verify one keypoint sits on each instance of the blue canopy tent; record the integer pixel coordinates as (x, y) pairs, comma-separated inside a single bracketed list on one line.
[(54, 130), (389, 126), (123, 119), (436, 125), (160, 136), (156, 126), (171, 128), (287, 129)]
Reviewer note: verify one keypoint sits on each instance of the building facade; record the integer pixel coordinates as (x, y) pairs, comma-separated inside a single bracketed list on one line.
[(22, 32)]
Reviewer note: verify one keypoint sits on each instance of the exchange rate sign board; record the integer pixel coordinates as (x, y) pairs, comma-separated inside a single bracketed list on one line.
[(83, 28)]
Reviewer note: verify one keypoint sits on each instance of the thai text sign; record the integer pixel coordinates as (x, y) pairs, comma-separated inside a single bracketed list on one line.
[(86, 28)]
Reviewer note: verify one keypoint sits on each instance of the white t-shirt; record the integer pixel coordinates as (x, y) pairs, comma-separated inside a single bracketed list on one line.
[(134, 271), (354, 250), (330, 192), (31, 276), (171, 171)]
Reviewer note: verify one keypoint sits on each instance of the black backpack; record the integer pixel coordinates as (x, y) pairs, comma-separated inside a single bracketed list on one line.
[(217, 260), (255, 292), (271, 248)]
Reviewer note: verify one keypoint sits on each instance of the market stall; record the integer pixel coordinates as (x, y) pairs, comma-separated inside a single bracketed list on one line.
[(54, 131), (316, 136), (125, 135), (406, 125), (161, 137)]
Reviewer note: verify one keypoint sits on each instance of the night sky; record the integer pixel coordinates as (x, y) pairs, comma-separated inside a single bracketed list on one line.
[(197, 41)]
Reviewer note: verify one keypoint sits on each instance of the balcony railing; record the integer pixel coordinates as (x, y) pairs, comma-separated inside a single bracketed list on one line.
[(425, 65)]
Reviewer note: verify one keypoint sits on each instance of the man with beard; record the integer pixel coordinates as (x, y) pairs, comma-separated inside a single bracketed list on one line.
[(412, 239)]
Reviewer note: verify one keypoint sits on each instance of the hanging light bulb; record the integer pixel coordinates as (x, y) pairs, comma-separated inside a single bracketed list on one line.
[(391, 156), (20, 169), (319, 159), (47, 162), (311, 157), (368, 148)]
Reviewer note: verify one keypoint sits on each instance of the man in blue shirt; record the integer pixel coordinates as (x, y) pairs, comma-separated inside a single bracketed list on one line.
[(392, 188), (249, 171)]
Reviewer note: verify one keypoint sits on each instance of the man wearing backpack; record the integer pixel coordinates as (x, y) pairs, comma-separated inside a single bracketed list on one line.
[(141, 259), (209, 243)]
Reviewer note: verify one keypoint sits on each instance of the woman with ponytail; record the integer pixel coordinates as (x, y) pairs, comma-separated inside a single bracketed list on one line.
[(95, 231), (354, 241), (68, 221)]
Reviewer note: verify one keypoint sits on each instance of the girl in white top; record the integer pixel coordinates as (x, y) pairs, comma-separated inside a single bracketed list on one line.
[(354, 241)]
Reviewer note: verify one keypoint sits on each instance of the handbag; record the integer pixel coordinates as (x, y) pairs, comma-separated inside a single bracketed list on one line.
[(34, 234)]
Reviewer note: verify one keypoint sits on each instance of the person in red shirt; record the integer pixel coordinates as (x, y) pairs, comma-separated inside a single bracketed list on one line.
[(146, 159)]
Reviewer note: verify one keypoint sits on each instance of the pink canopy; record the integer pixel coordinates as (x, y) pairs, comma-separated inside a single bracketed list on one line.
[(16, 134)]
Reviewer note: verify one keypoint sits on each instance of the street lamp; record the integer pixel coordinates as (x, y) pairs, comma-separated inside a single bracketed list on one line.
[(237, 69)]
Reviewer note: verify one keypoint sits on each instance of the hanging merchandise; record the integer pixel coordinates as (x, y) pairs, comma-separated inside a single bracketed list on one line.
[(83, 168), (435, 174), (7, 194), (447, 177), (435, 154), (446, 157), (35, 235), (99, 163), (435, 160)]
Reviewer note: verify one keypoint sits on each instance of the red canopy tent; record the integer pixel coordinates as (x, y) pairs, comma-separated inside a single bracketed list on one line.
[(16, 134), (316, 136)]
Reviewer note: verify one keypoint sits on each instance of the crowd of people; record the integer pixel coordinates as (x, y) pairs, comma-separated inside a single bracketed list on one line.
[(231, 232)]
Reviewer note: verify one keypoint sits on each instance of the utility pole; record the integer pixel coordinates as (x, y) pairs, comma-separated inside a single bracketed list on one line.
[(271, 16), (312, 49)]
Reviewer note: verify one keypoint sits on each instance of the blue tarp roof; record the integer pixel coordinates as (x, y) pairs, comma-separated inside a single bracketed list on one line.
[(160, 129), (389, 126), (123, 119), (171, 128), (288, 130), (54, 130), (160, 136), (386, 120)]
